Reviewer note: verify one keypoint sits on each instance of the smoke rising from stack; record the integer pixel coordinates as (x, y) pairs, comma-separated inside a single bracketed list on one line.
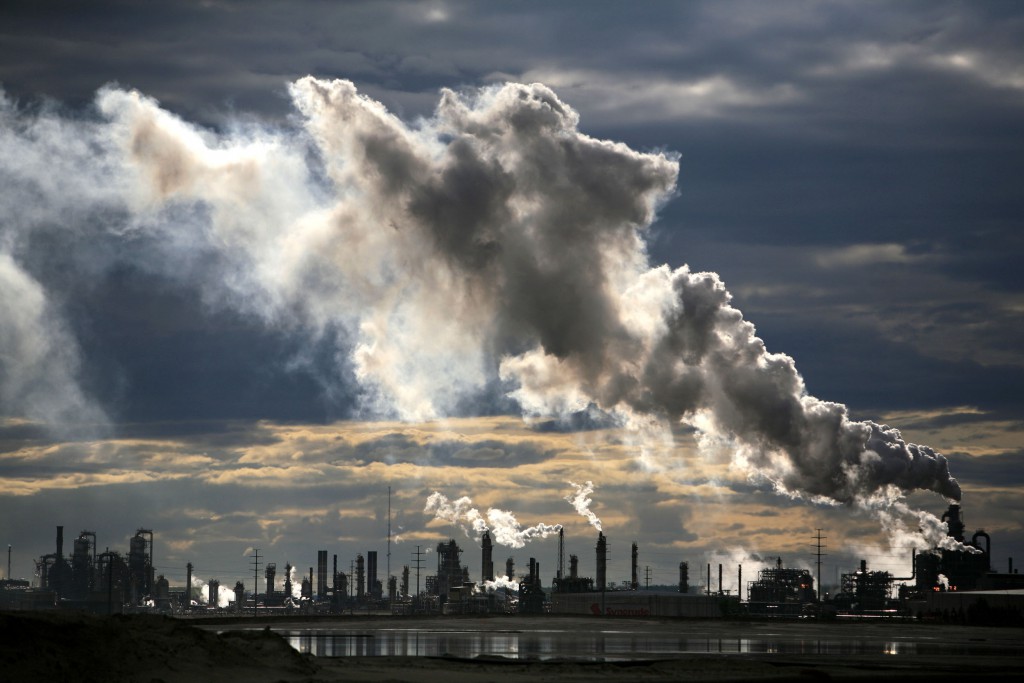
[(225, 596), (492, 242), (581, 501), (498, 582), (502, 524), (296, 584)]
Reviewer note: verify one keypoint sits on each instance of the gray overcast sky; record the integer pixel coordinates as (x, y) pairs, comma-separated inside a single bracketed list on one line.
[(852, 170)]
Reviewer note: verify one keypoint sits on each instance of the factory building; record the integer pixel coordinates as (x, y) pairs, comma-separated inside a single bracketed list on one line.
[(531, 594), (946, 583), (450, 572), (964, 569), (93, 581), (778, 591)]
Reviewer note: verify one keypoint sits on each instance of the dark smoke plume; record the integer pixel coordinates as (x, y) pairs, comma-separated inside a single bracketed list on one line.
[(492, 239)]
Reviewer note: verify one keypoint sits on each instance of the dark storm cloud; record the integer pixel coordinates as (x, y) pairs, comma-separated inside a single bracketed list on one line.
[(578, 421), (999, 470), (401, 448)]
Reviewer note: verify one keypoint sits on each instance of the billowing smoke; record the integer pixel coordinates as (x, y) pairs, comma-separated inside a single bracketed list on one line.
[(503, 525), (497, 583), (929, 534), (581, 500), (296, 584), (38, 357), (224, 596), (492, 242)]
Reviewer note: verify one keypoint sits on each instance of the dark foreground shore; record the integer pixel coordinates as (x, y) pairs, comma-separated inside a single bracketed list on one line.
[(72, 647)]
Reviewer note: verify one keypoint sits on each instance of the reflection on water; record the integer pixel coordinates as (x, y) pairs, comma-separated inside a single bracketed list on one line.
[(599, 646)]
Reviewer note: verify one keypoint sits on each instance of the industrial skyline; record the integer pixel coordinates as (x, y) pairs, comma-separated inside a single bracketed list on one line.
[(258, 267)]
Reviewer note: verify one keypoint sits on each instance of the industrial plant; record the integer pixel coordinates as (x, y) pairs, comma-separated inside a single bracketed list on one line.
[(944, 583)]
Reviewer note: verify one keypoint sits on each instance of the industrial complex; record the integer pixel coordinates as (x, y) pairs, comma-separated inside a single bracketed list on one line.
[(944, 583)]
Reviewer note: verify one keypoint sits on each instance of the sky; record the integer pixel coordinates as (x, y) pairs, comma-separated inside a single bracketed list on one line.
[(261, 261)]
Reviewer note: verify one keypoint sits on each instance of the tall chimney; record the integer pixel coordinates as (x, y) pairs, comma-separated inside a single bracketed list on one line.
[(188, 583), (602, 559), (720, 590), (636, 582), (486, 558), (739, 582), (561, 554), (709, 578), (60, 543)]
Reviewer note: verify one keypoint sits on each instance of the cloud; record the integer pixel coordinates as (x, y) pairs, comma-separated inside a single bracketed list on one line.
[(860, 255), (655, 98)]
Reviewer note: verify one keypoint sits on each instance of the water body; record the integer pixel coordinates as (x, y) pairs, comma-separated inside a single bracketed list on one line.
[(605, 645)]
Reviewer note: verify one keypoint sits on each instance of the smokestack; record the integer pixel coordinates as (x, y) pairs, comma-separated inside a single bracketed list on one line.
[(321, 573), (510, 568), (574, 567), (720, 591), (561, 554), (371, 574), (334, 577), (60, 543), (634, 580), (955, 524), (486, 561), (684, 577), (188, 583), (602, 559), (739, 582), (709, 578)]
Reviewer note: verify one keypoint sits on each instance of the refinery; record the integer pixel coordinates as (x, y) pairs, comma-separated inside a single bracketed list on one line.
[(944, 584)]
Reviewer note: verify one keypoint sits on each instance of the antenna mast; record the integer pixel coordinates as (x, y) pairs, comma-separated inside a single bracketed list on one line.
[(255, 579), (819, 545)]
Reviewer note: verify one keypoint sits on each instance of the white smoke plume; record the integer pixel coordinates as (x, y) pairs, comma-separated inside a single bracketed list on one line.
[(498, 582), (581, 501), (931, 532), (491, 241), (503, 525), (296, 582), (225, 596), (38, 357)]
